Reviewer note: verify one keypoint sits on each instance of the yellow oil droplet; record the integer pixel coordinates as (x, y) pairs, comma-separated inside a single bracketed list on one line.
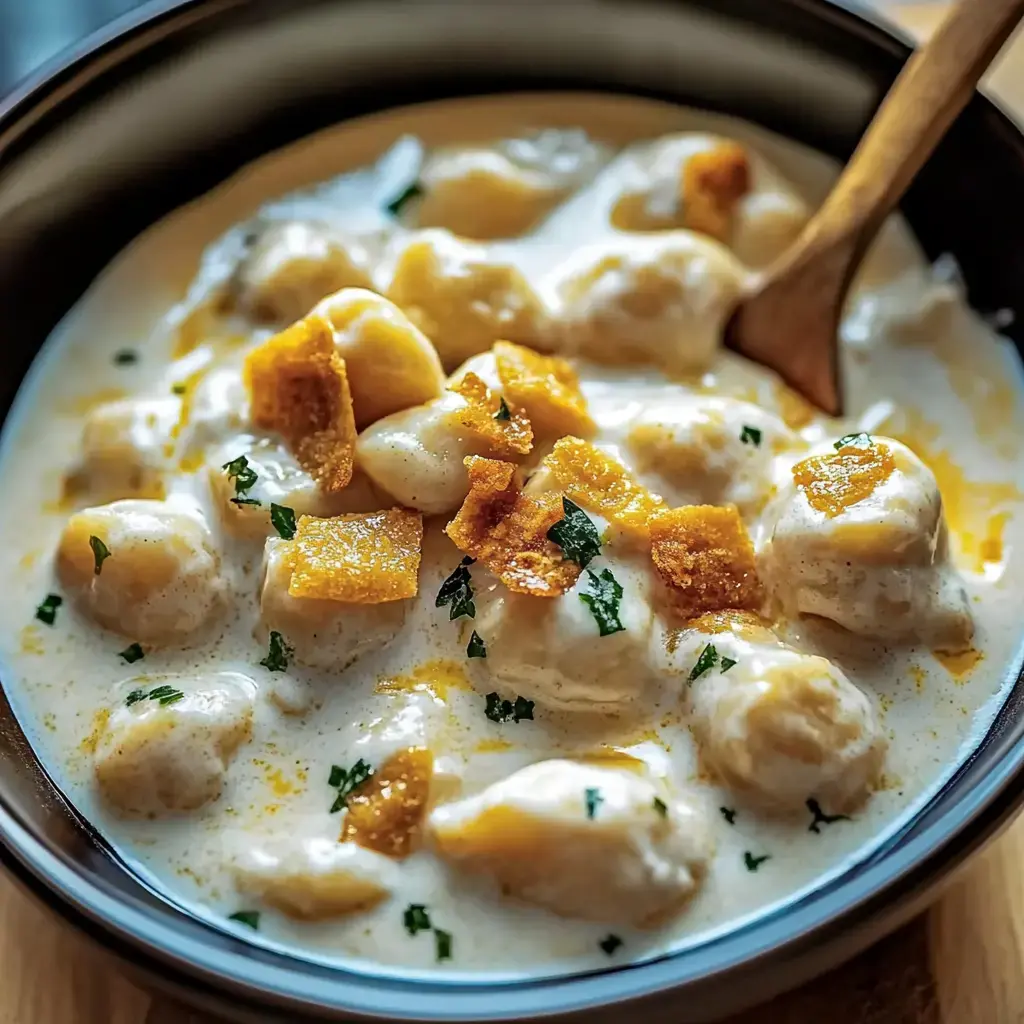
[(31, 641), (959, 663), (28, 559), (279, 783), (435, 677), (99, 727), (918, 674), (495, 746), (612, 757)]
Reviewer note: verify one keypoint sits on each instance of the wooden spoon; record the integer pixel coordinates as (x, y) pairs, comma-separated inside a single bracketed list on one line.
[(789, 322)]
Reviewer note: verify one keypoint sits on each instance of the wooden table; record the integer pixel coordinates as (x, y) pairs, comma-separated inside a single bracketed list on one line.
[(962, 963)]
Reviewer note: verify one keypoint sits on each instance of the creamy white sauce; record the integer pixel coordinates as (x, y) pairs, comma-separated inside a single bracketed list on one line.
[(920, 366)]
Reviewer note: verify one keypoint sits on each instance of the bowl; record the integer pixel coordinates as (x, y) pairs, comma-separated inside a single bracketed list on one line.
[(168, 102)]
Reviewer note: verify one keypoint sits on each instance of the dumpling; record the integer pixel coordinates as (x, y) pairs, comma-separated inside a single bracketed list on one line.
[(145, 569), (584, 841), (660, 299), (167, 747), (860, 539)]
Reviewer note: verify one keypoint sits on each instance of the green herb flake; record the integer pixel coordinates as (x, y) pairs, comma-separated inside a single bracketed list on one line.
[(179, 388), (498, 710), (603, 601), (100, 553), (132, 653), (347, 781), (727, 663), (246, 501), (522, 710), (593, 799), (457, 591), (858, 440), (610, 943), (503, 413), (163, 695), (282, 518), (821, 818), (443, 944), (277, 657), (126, 357), (416, 919), (476, 647), (250, 918), (576, 534), (751, 435), (47, 611), (409, 193), (134, 697), (705, 662), (751, 862), (729, 813), (242, 473), (661, 807)]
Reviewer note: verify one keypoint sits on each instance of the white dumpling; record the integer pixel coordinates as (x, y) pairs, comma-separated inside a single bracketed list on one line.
[(313, 878), (661, 299), (584, 841), (860, 539), (218, 408), (163, 753), (322, 634), (161, 580)]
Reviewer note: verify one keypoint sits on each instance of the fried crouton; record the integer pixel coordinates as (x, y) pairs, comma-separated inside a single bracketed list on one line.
[(502, 427), (713, 182)]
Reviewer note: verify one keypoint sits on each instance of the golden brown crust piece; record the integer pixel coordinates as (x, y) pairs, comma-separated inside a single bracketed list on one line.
[(507, 531), (362, 558), (834, 482), (546, 387), (601, 484), (713, 182), (298, 387), (510, 437), (704, 554)]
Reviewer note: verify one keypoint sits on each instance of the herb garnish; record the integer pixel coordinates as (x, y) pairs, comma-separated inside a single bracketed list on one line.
[(858, 440), (498, 710), (398, 203), (457, 590), (821, 818), (133, 652), (443, 944), (610, 943), (282, 518), (245, 479), (346, 781), (661, 807), (753, 863), (47, 611), (729, 813), (100, 553), (576, 534), (705, 662), (476, 647), (277, 656), (179, 388), (750, 435), (416, 919), (245, 501), (126, 357), (503, 413), (727, 663), (593, 800), (163, 695), (247, 917), (603, 601)]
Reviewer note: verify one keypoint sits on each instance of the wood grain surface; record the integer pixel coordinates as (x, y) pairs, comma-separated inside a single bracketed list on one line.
[(962, 963)]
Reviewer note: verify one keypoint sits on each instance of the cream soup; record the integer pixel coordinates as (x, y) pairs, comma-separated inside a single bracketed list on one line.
[(402, 572)]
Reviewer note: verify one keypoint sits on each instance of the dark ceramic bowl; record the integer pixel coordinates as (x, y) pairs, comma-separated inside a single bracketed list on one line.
[(168, 102)]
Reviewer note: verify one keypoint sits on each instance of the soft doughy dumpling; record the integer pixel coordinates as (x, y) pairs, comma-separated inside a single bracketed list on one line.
[(708, 450), (293, 265), (603, 844), (860, 539), (551, 650), (167, 748), (145, 569), (314, 878), (660, 299), (217, 408), (462, 298)]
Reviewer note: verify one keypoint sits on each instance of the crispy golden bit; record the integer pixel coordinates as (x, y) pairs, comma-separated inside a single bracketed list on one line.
[(713, 182), (386, 812), (601, 484), (704, 554), (834, 482), (507, 531), (362, 558), (511, 436), (298, 387), (546, 387), (746, 624)]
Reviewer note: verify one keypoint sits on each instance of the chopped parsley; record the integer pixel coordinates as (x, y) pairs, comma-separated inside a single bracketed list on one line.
[(858, 440), (282, 518), (603, 601), (576, 534), (750, 435), (179, 388), (245, 479), (706, 661), (345, 781), (126, 357), (163, 695), (416, 919), (610, 943), (729, 813), (727, 663), (498, 710), (443, 944), (476, 647), (250, 918), (100, 553), (47, 611), (593, 799), (503, 413), (661, 807), (410, 192), (245, 501), (821, 818), (457, 591), (753, 863), (132, 653), (277, 657)]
